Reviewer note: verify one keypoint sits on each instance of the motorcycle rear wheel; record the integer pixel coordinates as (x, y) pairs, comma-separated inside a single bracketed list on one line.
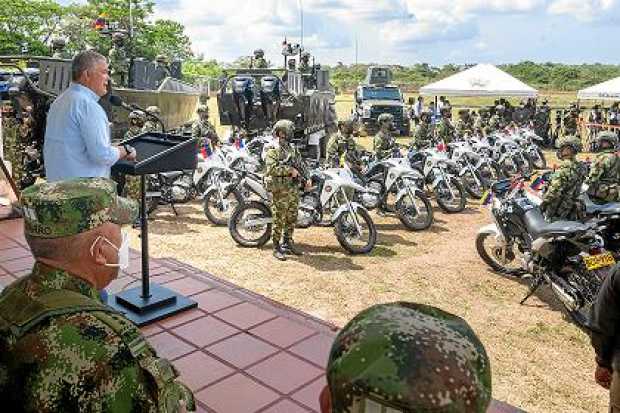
[(453, 204), (236, 222)]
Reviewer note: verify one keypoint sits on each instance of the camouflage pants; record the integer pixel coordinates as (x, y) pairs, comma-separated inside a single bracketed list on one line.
[(284, 211), (132, 187), (13, 148)]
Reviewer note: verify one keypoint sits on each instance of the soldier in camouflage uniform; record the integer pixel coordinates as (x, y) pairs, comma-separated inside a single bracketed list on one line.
[(384, 144), (423, 134), (119, 62), (304, 63), (58, 49), (481, 122), (13, 147), (571, 118), (496, 122), (131, 184), (162, 71), (284, 171), (203, 129), (151, 125), (342, 143), (604, 178), (464, 126), (542, 120), (137, 119), (407, 357), (61, 348), (560, 201), (445, 128), (259, 61)]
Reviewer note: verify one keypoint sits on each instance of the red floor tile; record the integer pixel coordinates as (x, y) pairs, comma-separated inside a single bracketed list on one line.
[(285, 406), (181, 318), (282, 332), (187, 286), (14, 253), (198, 370), (13, 228), (237, 394), (205, 331), (284, 372), (170, 347), (166, 276), (6, 243), (214, 300), (245, 315), (242, 350), (151, 330), (122, 283), (19, 264), (315, 349), (309, 395)]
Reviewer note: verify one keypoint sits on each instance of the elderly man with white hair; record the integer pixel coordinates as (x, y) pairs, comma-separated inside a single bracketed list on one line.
[(77, 136)]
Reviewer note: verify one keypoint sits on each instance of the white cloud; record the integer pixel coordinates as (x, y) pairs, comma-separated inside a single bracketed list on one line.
[(584, 10)]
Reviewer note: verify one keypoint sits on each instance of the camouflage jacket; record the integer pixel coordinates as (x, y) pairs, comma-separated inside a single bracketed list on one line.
[(445, 131), (119, 63), (384, 145), (90, 361), (204, 130), (604, 178), (133, 131), (278, 164), (570, 123), (260, 63), (464, 127), (338, 145), (422, 137), (496, 123), (561, 200), (151, 126)]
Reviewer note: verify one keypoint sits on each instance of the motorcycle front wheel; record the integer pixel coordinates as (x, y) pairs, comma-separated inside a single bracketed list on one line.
[(218, 208), (416, 214), (474, 188), (350, 239), (450, 195), (493, 255), (246, 233)]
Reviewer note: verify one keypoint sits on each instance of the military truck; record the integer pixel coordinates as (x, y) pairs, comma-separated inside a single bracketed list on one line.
[(254, 99), (378, 95)]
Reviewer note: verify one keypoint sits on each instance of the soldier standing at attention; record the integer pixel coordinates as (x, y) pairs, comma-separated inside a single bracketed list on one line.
[(407, 357), (604, 178), (464, 126), (137, 118), (203, 129), (384, 143), (61, 348), (119, 63), (152, 125), (571, 118), (259, 62), (445, 129), (162, 71), (285, 171), (341, 143), (423, 135), (560, 201)]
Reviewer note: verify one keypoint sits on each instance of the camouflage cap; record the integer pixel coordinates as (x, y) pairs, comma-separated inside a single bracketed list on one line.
[(65, 208), (410, 357), (607, 136), (385, 118), (153, 110), (286, 126), (569, 140)]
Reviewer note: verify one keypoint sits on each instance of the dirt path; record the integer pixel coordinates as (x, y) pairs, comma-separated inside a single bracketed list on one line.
[(541, 362)]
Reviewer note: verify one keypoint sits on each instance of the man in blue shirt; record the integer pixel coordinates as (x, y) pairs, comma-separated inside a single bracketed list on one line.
[(77, 137)]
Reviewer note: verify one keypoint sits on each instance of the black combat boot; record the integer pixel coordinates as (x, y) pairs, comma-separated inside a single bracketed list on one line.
[(278, 252), (289, 246)]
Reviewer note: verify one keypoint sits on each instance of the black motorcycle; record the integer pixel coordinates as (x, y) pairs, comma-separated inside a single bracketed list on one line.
[(568, 256), (169, 188)]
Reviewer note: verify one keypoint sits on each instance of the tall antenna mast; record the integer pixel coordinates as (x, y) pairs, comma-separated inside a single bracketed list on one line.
[(301, 14)]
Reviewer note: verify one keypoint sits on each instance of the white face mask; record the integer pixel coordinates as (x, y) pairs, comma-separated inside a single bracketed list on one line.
[(123, 251)]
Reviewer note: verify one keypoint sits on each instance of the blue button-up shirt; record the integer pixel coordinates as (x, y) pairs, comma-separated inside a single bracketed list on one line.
[(77, 137)]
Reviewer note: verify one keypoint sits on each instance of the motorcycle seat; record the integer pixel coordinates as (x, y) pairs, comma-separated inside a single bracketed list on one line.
[(611, 208), (537, 226), (171, 175)]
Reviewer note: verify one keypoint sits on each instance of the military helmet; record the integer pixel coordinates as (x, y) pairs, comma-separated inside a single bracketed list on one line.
[(286, 126), (305, 55), (409, 357), (202, 109), (117, 37), (570, 140), (347, 125), (259, 53), (385, 118), (161, 58), (606, 136), (59, 42), (137, 115), (154, 110)]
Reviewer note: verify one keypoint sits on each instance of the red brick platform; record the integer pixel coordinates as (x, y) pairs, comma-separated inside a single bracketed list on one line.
[(238, 351)]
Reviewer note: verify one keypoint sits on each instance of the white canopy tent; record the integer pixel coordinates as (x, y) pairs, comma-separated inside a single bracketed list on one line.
[(609, 90), (480, 80)]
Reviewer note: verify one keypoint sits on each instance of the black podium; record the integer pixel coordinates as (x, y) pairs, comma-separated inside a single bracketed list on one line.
[(156, 152)]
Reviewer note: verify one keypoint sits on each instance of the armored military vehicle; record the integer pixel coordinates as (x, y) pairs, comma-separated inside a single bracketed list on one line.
[(254, 99), (378, 95)]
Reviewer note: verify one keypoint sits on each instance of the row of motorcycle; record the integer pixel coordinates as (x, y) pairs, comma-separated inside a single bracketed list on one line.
[(232, 190), (573, 258)]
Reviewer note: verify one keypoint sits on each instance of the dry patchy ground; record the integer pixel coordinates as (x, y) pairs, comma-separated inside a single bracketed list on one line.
[(541, 362)]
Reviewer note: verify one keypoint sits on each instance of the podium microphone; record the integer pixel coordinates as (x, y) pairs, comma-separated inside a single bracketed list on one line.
[(117, 101)]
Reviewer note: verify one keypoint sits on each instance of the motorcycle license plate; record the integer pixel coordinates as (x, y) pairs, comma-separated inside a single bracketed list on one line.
[(594, 262)]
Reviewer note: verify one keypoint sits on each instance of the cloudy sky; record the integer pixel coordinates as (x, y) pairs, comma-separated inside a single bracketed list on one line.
[(406, 31)]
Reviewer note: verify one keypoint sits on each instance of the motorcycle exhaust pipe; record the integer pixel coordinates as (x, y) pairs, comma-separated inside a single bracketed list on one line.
[(569, 301)]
